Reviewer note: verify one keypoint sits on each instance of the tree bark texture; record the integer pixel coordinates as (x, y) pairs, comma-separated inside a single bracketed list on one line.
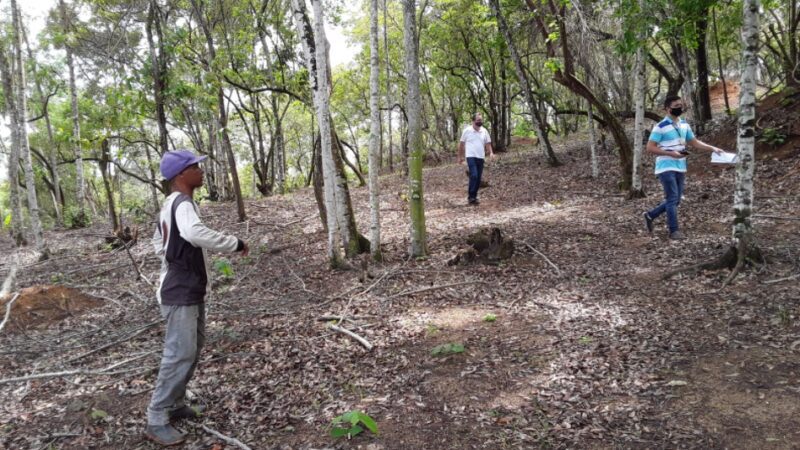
[(374, 135), (17, 232)]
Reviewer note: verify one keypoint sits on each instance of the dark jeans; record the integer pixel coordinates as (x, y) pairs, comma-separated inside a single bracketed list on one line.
[(475, 171), (673, 190)]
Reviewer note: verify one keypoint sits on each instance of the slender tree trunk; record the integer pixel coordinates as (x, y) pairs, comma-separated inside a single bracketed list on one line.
[(593, 142), (374, 135), (105, 159), (389, 107), (414, 111), (280, 161), (314, 51), (153, 192), (22, 133), (80, 218), (158, 72), (541, 131), (701, 55), (743, 190), (640, 82), (721, 65), (17, 232)]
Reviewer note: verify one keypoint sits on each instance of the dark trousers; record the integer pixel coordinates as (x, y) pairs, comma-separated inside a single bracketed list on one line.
[(475, 171)]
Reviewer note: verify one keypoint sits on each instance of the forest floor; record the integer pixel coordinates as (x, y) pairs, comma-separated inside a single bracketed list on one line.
[(589, 347)]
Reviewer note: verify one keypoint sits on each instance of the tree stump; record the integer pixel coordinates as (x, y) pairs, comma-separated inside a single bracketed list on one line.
[(487, 246)]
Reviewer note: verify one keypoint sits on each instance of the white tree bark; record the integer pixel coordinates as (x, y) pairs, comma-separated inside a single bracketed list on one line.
[(76, 124), (22, 130), (374, 135), (318, 73), (389, 108), (414, 110), (640, 81), (593, 142), (13, 155), (745, 142)]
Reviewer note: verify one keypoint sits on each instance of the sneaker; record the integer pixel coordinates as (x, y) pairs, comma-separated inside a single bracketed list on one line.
[(165, 435), (677, 236), (473, 202), (648, 222), (186, 412)]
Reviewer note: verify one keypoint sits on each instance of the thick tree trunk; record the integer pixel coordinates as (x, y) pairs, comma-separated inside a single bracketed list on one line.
[(80, 218), (419, 246), (315, 57), (745, 143), (158, 70), (374, 135), (22, 132)]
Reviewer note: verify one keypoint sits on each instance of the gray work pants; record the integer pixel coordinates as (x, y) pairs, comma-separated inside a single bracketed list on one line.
[(184, 337)]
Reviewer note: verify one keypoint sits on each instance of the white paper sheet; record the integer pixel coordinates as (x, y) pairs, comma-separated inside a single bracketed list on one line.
[(724, 158)]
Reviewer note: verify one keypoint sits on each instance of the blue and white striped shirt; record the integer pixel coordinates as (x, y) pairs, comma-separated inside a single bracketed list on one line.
[(672, 138)]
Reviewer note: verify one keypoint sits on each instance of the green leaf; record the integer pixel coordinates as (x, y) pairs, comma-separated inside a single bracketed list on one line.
[(98, 414), (368, 422), (489, 318), (339, 432), (355, 430), (224, 267)]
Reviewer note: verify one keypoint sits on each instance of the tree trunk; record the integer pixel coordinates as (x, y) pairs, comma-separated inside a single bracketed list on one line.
[(389, 107), (721, 65), (22, 133), (158, 72), (374, 136), (105, 159), (745, 143), (80, 219), (701, 55), (17, 232), (593, 142), (541, 131), (414, 110), (640, 83), (315, 57)]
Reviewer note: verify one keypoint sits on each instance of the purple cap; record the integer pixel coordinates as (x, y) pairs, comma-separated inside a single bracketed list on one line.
[(173, 163)]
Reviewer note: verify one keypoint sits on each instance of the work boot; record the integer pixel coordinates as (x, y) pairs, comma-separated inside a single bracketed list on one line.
[(677, 236), (185, 412), (648, 222), (165, 435)]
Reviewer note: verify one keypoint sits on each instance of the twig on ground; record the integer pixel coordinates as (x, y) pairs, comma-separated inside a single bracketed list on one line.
[(8, 311), (222, 437), (791, 277), (125, 339), (431, 288), (766, 216), (558, 272), (65, 373), (135, 267), (358, 338)]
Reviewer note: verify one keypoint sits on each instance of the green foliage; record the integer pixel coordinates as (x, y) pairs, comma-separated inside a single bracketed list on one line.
[(75, 218), (350, 424), (489, 318), (773, 137), (585, 340), (447, 349), (224, 267), (98, 414)]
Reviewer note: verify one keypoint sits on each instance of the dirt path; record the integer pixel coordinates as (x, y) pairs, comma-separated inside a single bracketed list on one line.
[(598, 353)]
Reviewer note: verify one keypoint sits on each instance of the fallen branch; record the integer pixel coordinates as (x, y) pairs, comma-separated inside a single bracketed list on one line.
[(135, 267), (792, 277), (66, 373), (125, 339), (358, 338), (220, 436), (765, 216), (431, 288), (558, 272), (8, 311), (727, 260)]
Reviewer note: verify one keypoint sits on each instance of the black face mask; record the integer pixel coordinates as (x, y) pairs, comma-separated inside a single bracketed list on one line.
[(479, 123), (676, 111)]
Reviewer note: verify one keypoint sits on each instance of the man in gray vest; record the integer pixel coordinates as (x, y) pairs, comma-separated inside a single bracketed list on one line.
[(181, 241)]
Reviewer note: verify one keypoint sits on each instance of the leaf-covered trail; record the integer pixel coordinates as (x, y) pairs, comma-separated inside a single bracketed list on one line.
[(589, 350)]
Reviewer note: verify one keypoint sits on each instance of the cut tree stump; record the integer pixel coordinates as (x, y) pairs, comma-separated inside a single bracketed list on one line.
[(487, 246)]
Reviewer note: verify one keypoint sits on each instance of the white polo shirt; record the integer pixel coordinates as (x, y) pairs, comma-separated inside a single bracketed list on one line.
[(475, 142)]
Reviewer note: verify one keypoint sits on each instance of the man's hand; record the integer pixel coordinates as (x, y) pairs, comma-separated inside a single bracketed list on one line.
[(492, 156), (717, 150), (463, 162)]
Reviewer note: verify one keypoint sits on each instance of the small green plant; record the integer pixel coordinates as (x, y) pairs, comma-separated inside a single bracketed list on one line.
[(98, 414), (773, 137), (75, 218), (585, 340), (784, 317), (447, 349), (352, 423), (223, 266), (432, 330), (489, 318)]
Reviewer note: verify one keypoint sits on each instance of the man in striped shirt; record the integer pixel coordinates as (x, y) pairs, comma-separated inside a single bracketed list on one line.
[(668, 142)]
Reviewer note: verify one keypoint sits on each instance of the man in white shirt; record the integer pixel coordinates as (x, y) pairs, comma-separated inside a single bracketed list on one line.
[(475, 144)]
